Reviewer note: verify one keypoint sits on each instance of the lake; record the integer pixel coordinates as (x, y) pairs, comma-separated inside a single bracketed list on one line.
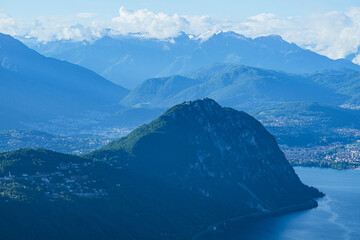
[(337, 217)]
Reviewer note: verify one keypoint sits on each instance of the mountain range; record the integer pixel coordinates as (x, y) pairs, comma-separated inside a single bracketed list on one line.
[(195, 165), (119, 58), (236, 86), (34, 87)]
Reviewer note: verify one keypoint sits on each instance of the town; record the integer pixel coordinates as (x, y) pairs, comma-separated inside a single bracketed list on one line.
[(65, 182), (16, 139), (336, 155)]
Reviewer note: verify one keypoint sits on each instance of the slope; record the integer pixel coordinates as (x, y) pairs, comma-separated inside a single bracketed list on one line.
[(41, 88)]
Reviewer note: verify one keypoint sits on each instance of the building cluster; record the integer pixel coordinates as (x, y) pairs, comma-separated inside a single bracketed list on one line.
[(16, 139), (67, 181), (289, 121), (351, 106), (348, 154), (347, 132), (298, 124)]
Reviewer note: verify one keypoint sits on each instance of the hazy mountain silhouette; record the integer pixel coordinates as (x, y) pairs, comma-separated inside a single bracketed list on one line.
[(232, 85), (36, 87), (129, 60)]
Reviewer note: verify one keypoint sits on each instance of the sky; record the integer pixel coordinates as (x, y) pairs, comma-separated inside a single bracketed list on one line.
[(328, 27), (212, 8)]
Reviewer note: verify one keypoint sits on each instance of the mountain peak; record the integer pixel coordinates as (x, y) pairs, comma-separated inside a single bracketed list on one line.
[(183, 35), (12, 48), (272, 37), (229, 34), (200, 105)]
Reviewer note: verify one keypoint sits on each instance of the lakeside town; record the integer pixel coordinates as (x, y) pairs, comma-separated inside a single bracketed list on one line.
[(336, 155)]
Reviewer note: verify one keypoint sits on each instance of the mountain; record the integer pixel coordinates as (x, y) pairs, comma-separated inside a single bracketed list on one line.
[(157, 92), (195, 165), (232, 85), (310, 123), (345, 82), (220, 155), (35, 87), (120, 58)]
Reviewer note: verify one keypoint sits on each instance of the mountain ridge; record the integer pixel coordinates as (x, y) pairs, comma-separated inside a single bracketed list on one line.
[(237, 86), (117, 58), (41, 88)]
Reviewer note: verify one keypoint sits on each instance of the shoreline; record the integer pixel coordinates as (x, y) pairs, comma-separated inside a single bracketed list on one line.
[(289, 209), (316, 165)]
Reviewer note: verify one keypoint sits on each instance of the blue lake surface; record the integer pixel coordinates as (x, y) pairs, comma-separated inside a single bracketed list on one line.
[(337, 217)]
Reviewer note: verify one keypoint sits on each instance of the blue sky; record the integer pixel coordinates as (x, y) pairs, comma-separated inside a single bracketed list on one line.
[(213, 8), (328, 27)]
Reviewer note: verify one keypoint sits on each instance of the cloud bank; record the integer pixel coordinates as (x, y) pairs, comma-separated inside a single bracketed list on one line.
[(334, 34)]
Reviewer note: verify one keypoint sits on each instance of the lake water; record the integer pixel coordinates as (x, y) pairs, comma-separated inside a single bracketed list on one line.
[(337, 217)]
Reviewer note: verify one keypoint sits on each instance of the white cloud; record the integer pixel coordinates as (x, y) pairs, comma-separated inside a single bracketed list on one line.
[(334, 34), (8, 24), (78, 28), (159, 25)]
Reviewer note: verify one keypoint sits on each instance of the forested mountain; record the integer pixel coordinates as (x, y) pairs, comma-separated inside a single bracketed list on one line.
[(345, 82)]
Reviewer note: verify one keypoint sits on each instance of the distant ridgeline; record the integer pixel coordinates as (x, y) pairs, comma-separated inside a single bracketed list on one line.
[(237, 86), (128, 60), (195, 165)]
